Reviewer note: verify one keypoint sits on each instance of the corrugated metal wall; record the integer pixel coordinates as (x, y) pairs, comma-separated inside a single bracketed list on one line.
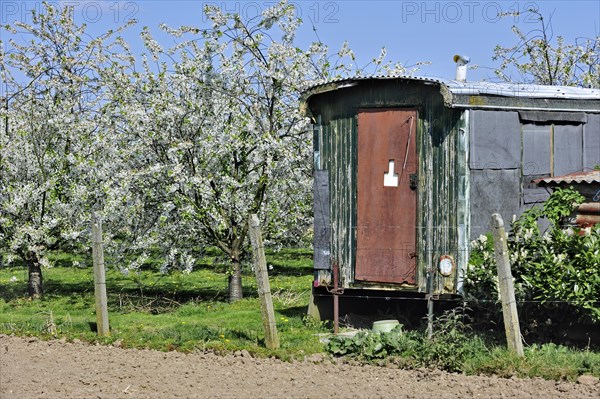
[(337, 148), (444, 193)]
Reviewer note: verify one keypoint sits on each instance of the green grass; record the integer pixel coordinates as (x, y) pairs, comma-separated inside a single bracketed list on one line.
[(549, 361), (188, 312), (167, 312)]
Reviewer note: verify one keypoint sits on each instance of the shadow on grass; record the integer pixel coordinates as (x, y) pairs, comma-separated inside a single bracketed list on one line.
[(157, 294), (279, 270), (249, 335), (155, 298), (296, 311), (12, 291), (290, 262)]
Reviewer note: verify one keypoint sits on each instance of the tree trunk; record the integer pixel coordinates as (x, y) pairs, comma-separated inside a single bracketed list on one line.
[(34, 285), (235, 278)]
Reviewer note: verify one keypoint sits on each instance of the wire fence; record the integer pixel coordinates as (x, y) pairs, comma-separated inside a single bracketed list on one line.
[(458, 299)]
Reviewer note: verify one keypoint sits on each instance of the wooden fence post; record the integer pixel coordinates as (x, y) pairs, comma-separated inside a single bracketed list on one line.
[(99, 277), (506, 287), (262, 280)]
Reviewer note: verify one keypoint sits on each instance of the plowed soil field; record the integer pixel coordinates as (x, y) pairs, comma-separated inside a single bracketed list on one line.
[(32, 368)]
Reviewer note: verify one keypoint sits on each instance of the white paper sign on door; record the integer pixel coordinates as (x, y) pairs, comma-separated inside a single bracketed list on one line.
[(390, 179)]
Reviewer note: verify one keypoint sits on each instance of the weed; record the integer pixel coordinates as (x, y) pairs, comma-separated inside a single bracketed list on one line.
[(448, 348)]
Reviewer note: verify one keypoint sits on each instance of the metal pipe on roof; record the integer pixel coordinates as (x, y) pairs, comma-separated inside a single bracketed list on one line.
[(461, 67)]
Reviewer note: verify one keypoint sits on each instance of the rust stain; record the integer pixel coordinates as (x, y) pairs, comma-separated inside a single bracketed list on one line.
[(587, 220), (476, 100)]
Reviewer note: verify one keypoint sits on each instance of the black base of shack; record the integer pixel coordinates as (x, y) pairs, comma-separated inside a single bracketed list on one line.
[(359, 308)]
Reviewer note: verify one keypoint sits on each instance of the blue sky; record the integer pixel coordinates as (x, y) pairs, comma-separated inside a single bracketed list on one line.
[(411, 31)]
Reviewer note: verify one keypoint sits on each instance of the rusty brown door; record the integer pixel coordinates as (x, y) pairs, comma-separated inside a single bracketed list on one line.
[(387, 197)]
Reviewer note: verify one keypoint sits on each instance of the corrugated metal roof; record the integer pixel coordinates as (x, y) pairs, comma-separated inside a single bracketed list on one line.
[(590, 177), (523, 90), (472, 88)]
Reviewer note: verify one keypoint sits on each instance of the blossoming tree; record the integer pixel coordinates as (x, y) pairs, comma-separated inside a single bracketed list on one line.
[(52, 145), (219, 118), (541, 58)]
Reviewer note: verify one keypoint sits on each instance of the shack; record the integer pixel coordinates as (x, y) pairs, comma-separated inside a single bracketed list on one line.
[(408, 170)]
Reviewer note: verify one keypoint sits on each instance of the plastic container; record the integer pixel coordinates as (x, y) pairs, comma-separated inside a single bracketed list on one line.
[(385, 325)]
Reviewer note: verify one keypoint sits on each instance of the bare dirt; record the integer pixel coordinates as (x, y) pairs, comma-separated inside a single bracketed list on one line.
[(31, 368)]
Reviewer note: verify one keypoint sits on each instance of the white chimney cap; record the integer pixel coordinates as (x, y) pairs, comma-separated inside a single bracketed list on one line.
[(461, 59)]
